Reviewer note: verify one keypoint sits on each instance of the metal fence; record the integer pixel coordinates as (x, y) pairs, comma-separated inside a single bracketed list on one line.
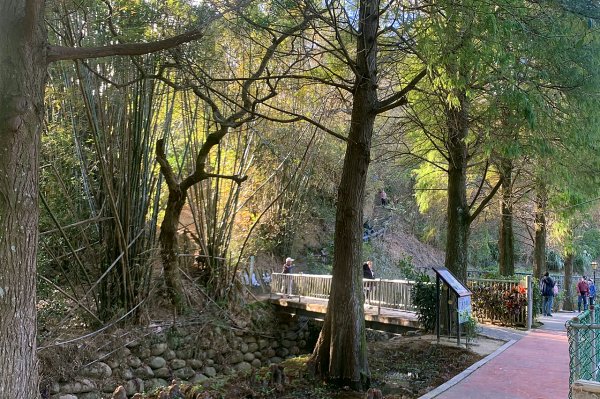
[(583, 333), (392, 294)]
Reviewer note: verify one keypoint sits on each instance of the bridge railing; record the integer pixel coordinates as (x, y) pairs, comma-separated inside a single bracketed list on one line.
[(392, 294)]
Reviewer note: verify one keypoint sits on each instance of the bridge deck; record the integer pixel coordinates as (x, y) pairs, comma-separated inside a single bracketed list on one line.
[(384, 319)]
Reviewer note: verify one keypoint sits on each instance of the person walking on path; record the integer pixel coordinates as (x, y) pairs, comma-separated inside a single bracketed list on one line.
[(592, 289), (548, 294), (583, 290)]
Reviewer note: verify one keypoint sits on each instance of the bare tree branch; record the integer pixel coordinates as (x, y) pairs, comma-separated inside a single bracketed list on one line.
[(58, 53)]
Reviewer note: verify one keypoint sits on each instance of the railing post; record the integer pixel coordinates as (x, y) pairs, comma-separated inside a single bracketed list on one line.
[(529, 282), (576, 364), (379, 297)]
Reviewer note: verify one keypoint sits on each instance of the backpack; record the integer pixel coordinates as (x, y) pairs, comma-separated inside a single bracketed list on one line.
[(547, 285), (592, 288)]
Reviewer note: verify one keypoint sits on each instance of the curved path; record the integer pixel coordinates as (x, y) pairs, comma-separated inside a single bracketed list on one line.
[(533, 365)]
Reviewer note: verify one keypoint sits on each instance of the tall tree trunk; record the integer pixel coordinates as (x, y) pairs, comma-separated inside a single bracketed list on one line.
[(568, 303), (340, 355), (22, 79), (506, 242), (539, 245), (458, 219), (168, 245)]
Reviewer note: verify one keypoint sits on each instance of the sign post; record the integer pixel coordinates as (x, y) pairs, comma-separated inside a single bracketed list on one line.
[(463, 303)]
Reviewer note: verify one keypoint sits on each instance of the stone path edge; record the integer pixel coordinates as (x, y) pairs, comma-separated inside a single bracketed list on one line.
[(467, 372)]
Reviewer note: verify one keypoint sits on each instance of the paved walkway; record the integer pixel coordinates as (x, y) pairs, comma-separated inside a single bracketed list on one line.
[(533, 365)]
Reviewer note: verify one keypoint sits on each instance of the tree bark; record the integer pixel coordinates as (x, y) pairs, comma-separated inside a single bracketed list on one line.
[(22, 79), (506, 240), (539, 245), (458, 219), (340, 356), (568, 303)]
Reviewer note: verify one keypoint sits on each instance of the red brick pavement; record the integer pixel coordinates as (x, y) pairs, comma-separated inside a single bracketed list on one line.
[(535, 367)]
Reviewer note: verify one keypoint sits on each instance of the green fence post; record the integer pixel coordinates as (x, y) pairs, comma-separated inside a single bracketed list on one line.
[(529, 282)]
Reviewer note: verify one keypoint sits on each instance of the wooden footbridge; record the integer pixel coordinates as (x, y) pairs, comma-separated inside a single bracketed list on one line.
[(388, 304)]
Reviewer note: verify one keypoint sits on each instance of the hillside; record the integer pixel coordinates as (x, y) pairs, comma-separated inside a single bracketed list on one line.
[(390, 244)]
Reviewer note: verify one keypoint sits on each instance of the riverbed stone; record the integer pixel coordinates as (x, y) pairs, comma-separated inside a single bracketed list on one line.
[(177, 364), (159, 349), (143, 372), (157, 362), (195, 364), (184, 373), (133, 386), (169, 355), (98, 370), (163, 372), (127, 373), (243, 367), (198, 379), (185, 354), (236, 357), (248, 357), (155, 383), (134, 361), (282, 352), (209, 371)]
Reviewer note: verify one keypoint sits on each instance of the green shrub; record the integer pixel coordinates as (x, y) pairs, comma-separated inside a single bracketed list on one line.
[(424, 299)]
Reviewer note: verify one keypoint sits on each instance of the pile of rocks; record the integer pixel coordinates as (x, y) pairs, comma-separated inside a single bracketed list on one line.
[(185, 354)]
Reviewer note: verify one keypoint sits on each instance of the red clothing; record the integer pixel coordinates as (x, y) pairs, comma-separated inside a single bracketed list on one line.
[(582, 288)]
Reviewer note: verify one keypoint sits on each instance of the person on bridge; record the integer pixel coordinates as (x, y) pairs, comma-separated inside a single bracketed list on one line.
[(288, 265), (547, 285), (583, 290), (287, 269), (368, 270), (368, 274)]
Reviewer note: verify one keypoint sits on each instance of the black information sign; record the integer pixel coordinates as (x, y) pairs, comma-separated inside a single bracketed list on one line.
[(448, 278), (463, 299)]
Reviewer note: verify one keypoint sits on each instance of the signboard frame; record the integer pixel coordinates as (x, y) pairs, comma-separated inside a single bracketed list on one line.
[(463, 303)]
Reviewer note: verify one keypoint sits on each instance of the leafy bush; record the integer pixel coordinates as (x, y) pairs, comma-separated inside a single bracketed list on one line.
[(424, 299), (499, 303), (471, 328)]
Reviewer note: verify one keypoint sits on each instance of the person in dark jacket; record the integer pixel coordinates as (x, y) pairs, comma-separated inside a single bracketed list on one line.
[(368, 270), (368, 274), (547, 285)]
